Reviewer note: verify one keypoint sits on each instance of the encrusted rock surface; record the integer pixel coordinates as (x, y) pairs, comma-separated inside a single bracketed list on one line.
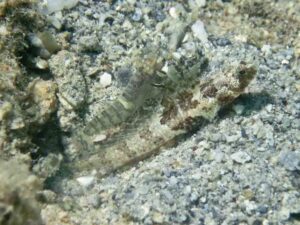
[(18, 187)]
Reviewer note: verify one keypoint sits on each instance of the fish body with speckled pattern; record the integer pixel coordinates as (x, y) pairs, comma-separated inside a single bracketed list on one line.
[(179, 84)]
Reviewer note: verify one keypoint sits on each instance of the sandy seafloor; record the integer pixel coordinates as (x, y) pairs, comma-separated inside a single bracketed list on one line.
[(242, 168)]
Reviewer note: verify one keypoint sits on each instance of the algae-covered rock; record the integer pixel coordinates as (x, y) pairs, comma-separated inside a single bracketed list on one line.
[(6, 5), (44, 95), (18, 187), (27, 99)]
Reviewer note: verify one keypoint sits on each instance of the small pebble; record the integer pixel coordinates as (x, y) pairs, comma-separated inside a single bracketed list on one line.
[(99, 138), (94, 200), (173, 12), (285, 62), (240, 157), (239, 109), (223, 42), (266, 49), (290, 160), (199, 31), (35, 41), (42, 64), (105, 80), (158, 217), (173, 180), (137, 16), (86, 181)]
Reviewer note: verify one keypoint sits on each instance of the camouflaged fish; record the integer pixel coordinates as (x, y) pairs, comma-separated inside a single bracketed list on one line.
[(115, 138), (183, 82)]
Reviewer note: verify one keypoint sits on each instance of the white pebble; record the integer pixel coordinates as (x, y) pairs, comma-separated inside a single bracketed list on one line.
[(165, 68), (269, 108), (99, 138), (105, 80), (85, 181), (199, 31), (173, 12)]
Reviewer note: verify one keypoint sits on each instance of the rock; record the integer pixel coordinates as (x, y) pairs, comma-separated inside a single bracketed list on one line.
[(17, 124), (5, 109), (94, 200), (89, 43), (199, 31), (218, 155), (53, 214), (105, 80), (35, 41), (173, 12), (262, 209), (47, 196), (239, 109), (158, 217), (17, 194), (194, 197), (47, 166), (200, 3), (269, 108), (291, 202), (232, 138), (99, 138), (142, 211), (173, 181), (138, 14), (240, 157), (41, 64), (223, 42), (290, 160), (266, 49), (49, 42), (55, 22), (58, 5), (44, 95), (250, 207), (86, 181)]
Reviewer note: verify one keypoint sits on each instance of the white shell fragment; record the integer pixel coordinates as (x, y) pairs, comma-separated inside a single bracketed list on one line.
[(199, 31), (105, 80), (86, 181)]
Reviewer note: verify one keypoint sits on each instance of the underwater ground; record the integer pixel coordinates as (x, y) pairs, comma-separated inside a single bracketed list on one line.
[(149, 112)]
